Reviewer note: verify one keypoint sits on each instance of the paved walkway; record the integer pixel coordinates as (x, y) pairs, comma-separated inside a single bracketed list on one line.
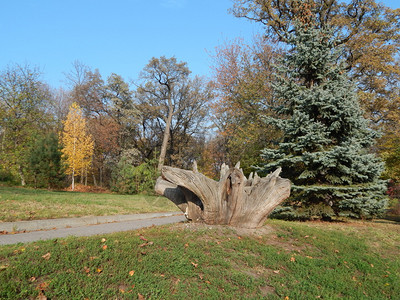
[(86, 226)]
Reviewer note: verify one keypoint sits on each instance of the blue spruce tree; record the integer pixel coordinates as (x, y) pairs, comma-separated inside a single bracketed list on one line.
[(326, 139)]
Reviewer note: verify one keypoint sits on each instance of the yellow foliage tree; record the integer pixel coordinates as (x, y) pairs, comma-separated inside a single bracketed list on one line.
[(77, 144)]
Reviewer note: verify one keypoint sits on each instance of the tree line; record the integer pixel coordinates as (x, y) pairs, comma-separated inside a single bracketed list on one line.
[(168, 117), (163, 118)]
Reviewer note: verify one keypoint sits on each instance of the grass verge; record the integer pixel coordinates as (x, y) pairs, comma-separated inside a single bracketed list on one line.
[(19, 204), (283, 260)]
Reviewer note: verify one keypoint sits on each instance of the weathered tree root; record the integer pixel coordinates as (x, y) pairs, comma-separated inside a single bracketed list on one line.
[(233, 200)]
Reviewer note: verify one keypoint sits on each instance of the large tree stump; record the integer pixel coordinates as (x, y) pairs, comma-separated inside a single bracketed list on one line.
[(233, 200)]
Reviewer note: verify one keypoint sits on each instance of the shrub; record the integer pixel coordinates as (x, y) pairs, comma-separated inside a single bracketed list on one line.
[(130, 179)]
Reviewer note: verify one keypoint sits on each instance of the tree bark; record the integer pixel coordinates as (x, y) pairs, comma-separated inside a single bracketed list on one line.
[(234, 200), (164, 145), (21, 175), (73, 180)]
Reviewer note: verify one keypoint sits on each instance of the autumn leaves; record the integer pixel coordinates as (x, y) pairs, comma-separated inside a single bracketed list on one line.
[(77, 143)]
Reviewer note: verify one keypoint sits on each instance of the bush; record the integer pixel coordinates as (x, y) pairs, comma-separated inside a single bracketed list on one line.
[(7, 177), (130, 179), (394, 204)]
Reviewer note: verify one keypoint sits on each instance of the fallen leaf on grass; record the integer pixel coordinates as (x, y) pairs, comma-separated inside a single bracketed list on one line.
[(47, 256), (103, 240), (3, 267), (32, 279), (146, 244), (140, 297), (195, 265), (186, 245), (104, 247), (276, 271), (41, 296), (43, 286), (143, 238), (86, 269), (292, 259), (131, 273), (99, 270)]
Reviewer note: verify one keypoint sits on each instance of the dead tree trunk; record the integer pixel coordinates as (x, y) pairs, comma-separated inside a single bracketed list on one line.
[(233, 200)]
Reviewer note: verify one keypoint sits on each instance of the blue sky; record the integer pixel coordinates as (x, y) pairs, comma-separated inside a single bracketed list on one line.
[(118, 36)]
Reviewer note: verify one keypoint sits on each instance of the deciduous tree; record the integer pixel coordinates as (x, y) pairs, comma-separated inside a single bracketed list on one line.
[(242, 78), (77, 143), (172, 102), (24, 103)]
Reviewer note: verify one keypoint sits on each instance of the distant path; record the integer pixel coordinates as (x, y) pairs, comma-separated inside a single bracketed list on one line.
[(145, 220)]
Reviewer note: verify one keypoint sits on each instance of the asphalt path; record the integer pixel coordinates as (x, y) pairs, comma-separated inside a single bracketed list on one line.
[(88, 230)]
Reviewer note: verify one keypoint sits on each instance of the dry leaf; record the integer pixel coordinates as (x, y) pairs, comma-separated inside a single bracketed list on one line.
[(309, 257), (186, 245), (86, 269), (143, 238), (372, 265), (207, 282), (140, 297), (99, 270), (239, 237), (104, 247), (287, 298), (131, 273), (103, 240), (3, 267), (41, 296), (195, 265), (47, 256), (292, 259), (336, 251), (32, 279), (43, 286), (276, 271), (146, 244)]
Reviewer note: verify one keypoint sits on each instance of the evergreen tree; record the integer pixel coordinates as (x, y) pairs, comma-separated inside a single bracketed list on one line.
[(324, 150), (45, 162)]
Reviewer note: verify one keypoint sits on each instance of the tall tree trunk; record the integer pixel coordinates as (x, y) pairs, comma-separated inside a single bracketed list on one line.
[(166, 135), (94, 180), (21, 175), (73, 180)]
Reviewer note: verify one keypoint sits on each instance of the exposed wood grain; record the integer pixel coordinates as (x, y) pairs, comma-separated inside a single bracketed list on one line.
[(234, 200)]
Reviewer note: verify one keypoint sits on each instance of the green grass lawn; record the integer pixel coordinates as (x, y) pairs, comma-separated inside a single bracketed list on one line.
[(18, 204), (283, 260)]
